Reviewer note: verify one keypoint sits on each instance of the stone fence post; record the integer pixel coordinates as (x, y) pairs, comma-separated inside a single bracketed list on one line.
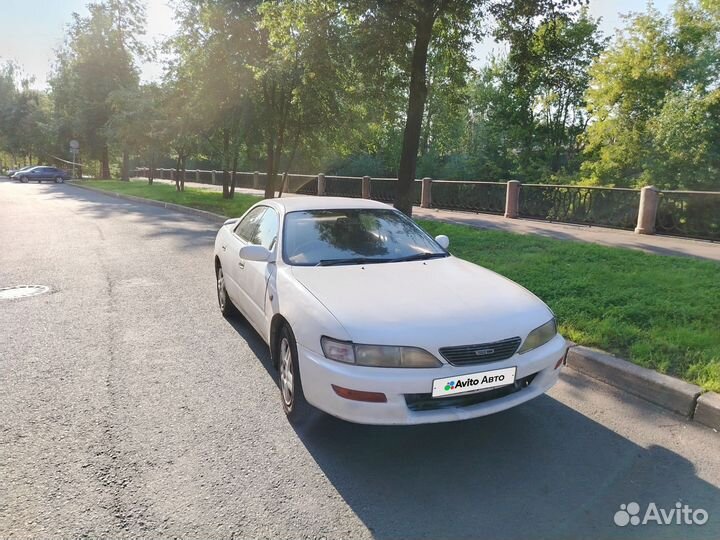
[(512, 199), (426, 194), (256, 180), (197, 175), (365, 187), (649, 198), (321, 184), (212, 177)]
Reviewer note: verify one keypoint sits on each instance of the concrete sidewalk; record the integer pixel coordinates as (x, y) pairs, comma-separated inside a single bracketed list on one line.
[(660, 245)]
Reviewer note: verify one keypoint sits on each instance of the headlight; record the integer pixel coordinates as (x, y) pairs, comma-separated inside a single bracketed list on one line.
[(378, 355), (540, 336)]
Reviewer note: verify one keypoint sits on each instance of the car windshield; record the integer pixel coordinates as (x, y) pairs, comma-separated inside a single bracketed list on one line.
[(354, 236)]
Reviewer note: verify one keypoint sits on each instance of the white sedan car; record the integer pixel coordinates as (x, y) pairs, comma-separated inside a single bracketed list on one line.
[(371, 320)]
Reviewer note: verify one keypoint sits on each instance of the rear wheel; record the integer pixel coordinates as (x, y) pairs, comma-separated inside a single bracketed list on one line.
[(59, 180), (296, 407)]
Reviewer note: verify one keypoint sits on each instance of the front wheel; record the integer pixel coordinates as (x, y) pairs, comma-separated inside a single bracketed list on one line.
[(24, 179), (296, 407), (226, 305)]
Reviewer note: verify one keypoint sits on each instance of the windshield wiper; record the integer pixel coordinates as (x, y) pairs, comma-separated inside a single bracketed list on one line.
[(420, 257), (353, 260)]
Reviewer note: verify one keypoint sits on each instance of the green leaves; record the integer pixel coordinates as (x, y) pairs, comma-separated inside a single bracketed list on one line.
[(654, 98)]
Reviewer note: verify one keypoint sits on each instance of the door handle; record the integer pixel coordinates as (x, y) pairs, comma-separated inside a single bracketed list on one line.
[(241, 264)]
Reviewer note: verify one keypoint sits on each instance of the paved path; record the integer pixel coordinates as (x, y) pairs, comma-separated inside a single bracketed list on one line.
[(129, 407), (661, 245)]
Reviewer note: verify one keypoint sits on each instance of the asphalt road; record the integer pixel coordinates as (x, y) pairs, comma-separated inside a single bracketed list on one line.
[(130, 407)]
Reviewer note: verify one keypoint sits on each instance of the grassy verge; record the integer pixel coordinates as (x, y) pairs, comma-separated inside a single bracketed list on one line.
[(659, 312), (203, 199)]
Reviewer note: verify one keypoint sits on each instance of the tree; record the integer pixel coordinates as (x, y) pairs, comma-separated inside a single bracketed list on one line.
[(660, 71), (135, 125), (402, 32), (24, 115), (531, 112), (96, 60)]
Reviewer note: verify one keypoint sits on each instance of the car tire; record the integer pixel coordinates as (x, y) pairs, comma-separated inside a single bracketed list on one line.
[(59, 180), (296, 407), (24, 179), (226, 306)]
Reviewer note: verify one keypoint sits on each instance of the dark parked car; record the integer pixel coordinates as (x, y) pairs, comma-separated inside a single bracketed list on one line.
[(42, 173), (11, 172)]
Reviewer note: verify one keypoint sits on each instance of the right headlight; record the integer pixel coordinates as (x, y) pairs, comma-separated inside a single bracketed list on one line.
[(540, 336), (377, 355)]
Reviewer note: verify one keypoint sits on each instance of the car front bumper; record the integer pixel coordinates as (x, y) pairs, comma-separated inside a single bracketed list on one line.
[(408, 391)]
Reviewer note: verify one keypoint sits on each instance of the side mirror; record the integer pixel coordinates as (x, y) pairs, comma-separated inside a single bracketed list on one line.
[(255, 253), (443, 240)]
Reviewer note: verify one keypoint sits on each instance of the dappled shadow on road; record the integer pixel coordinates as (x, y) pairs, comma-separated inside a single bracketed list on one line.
[(191, 231), (541, 470)]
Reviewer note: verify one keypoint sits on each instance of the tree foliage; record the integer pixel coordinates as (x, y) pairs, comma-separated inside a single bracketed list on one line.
[(385, 88), (654, 96)]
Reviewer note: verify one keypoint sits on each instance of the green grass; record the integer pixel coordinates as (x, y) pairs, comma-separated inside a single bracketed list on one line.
[(659, 312), (197, 198)]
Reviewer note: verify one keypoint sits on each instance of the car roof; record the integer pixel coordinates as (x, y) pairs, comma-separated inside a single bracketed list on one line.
[(300, 203)]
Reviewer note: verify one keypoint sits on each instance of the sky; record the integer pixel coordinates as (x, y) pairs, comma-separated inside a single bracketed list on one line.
[(31, 30)]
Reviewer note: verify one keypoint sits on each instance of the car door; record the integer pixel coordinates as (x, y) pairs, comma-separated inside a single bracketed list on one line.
[(255, 275), (230, 257)]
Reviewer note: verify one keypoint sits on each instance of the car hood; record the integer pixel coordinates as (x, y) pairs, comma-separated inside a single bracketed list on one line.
[(430, 304)]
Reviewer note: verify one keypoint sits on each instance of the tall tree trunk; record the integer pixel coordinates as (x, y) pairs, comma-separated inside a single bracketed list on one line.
[(226, 164), (151, 170), (105, 164), (234, 171), (413, 122), (177, 172), (182, 174), (270, 168), (126, 166)]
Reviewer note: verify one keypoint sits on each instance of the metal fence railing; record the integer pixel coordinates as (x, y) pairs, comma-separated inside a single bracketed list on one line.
[(608, 207), (487, 197), (694, 214)]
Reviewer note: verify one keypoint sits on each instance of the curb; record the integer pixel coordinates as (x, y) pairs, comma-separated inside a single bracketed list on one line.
[(668, 392), (210, 216), (708, 410)]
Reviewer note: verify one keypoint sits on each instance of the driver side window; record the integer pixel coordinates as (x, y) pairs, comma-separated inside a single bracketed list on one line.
[(247, 227), (267, 230)]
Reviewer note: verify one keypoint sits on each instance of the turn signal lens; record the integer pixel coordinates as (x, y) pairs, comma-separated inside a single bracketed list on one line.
[(540, 336), (359, 395)]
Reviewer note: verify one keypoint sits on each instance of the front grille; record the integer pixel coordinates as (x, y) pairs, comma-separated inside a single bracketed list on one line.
[(425, 402), (483, 353)]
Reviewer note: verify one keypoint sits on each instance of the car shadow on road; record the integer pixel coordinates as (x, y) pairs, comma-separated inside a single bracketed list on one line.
[(541, 470)]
